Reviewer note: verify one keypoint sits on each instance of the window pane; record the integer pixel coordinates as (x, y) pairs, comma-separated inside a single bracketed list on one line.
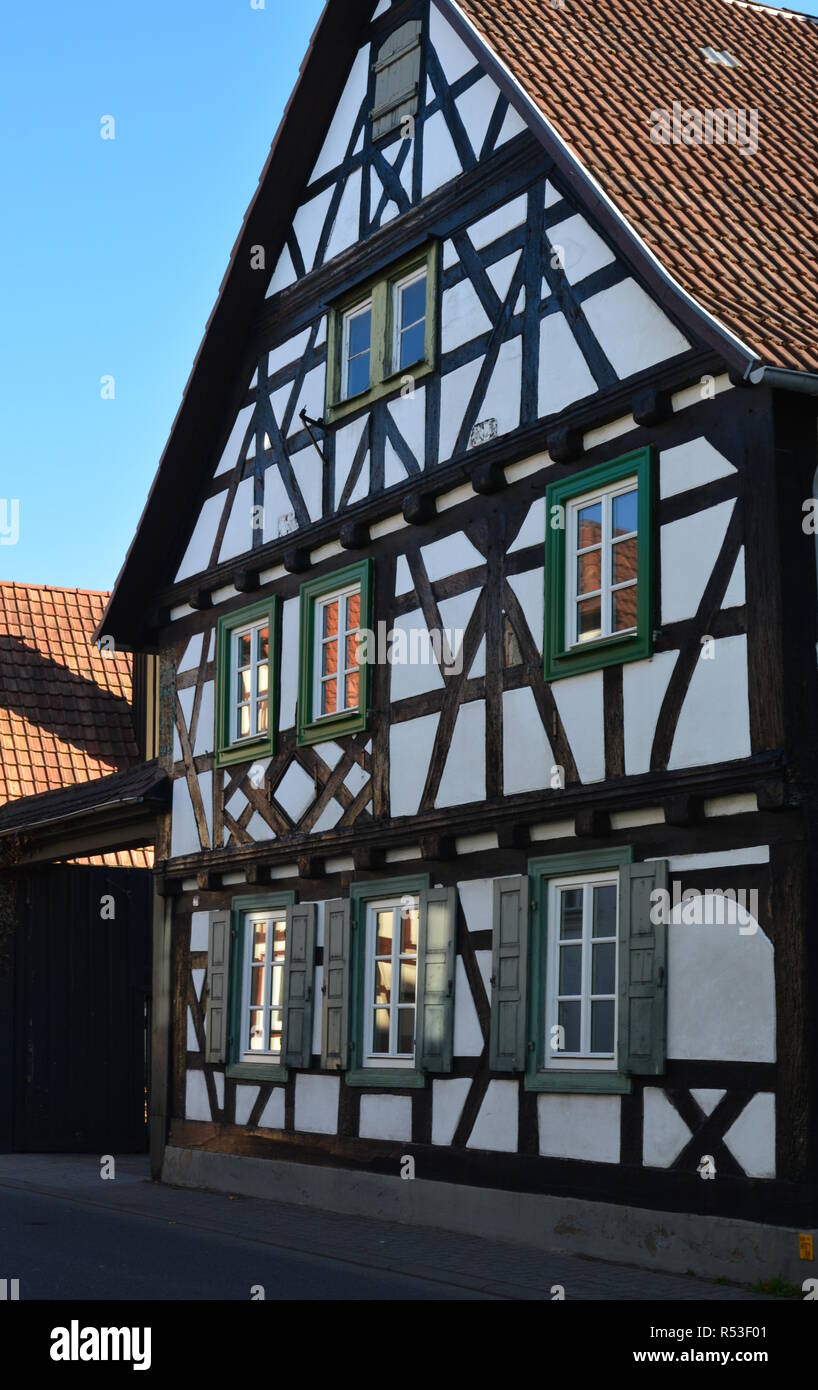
[(571, 970), (589, 619), (589, 572), (262, 644), (360, 333), (624, 513), (329, 697), (329, 619), (263, 682), (570, 913), (406, 1030), (383, 982), (260, 941), (244, 721), (409, 931), (245, 684), (380, 1031), (244, 650), (624, 560), (330, 658), (605, 910), (257, 1031), (408, 982), (257, 986), (261, 716), (589, 525), (602, 1025), (383, 939), (413, 345), (279, 939), (352, 652), (352, 691), (358, 375), (354, 612), (603, 971), (276, 984), (413, 302), (624, 608), (275, 1030), (568, 1018)]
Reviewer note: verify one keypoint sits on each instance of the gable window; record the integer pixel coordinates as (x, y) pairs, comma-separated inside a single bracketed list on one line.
[(333, 677), (397, 79), (599, 556), (245, 714), (382, 332)]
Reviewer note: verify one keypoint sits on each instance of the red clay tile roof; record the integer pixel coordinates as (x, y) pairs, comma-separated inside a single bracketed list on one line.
[(65, 709), (736, 230)]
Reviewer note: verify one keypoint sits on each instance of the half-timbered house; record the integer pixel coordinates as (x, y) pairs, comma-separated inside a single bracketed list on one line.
[(480, 571)]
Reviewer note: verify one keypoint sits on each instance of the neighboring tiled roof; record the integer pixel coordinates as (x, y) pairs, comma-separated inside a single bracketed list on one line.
[(147, 783), (65, 709), (737, 230)]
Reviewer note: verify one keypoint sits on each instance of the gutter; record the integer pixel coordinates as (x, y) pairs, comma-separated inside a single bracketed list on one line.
[(783, 380)]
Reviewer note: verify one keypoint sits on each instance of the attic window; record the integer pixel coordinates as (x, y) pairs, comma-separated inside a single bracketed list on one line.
[(722, 59), (397, 79)]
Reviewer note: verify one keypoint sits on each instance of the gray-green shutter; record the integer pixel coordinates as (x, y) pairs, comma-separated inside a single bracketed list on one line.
[(218, 986), (434, 1026), (299, 977), (397, 75), (643, 970), (335, 988), (509, 975)]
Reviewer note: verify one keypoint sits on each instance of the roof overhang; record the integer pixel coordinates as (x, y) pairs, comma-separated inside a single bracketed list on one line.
[(113, 813)]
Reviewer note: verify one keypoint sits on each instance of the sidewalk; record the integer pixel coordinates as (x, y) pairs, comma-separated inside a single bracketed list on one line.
[(463, 1263)]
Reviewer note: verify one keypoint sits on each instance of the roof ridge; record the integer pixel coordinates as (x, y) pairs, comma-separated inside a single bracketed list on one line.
[(52, 588)]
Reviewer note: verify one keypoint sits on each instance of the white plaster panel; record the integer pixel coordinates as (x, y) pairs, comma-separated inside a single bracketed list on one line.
[(184, 837), (455, 393), (564, 375), (409, 415), (631, 330), (356, 779), (528, 589), (454, 57), (512, 125), (476, 108), (664, 1132), (707, 1098), (585, 1127), (483, 959), (690, 548), (495, 224), (583, 251), (451, 555), (690, 465), (346, 228), (332, 753), (751, 1137), (308, 225), (198, 976), (643, 689), (440, 158), (318, 983), (246, 1097), (714, 725), (192, 1044), (448, 1099), (316, 1103), (197, 556), (503, 394), (477, 898), (284, 274), (580, 703), (468, 1035), (278, 509), (199, 925), (527, 755), (288, 354), (192, 654), (386, 1117), (236, 804), (501, 274), (455, 615), (721, 990), (346, 445), (464, 775), (307, 469), (238, 534), (272, 1116), (186, 699), (289, 662), (197, 1104), (410, 749), (496, 1125), (463, 316), (206, 725), (295, 792), (328, 818), (412, 676), (339, 134), (258, 829), (735, 595), (478, 666), (232, 448)]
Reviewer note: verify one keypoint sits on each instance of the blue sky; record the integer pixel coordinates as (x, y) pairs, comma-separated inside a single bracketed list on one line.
[(113, 250)]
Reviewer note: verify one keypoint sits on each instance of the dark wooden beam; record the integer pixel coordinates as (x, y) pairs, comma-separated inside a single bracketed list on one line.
[(419, 508), (565, 445), (437, 848), (246, 581), (368, 857), (652, 406), (297, 560), (683, 810), (592, 824), (200, 599), (488, 478), (354, 535)]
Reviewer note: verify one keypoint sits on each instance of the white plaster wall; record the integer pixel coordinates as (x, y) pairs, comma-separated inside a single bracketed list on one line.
[(440, 159), (585, 1127), (455, 393), (206, 725), (690, 548), (410, 750), (386, 1117), (289, 662), (690, 465), (232, 449), (197, 556), (454, 57), (448, 1099), (564, 375), (409, 415), (409, 677), (751, 1137), (464, 775), (316, 1103), (199, 931), (532, 531), (468, 1037), (463, 316), (477, 898), (496, 1125), (527, 755), (631, 330), (502, 399), (295, 792), (339, 134), (272, 1116), (197, 1105), (644, 684), (528, 589), (580, 703), (346, 228), (246, 1097), (721, 989), (583, 251), (238, 534), (476, 107), (495, 224), (184, 838), (664, 1132), (714, 725), (450, 556)]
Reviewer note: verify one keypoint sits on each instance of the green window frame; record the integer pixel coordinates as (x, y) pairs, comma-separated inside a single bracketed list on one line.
[(562, 657), (230, 749), (313, 728), (236, 1066), (361, 894), (385, 373)]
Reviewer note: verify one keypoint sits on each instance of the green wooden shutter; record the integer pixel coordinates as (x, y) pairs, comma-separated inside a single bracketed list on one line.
[(509, 975), (434, 1027), (642, 971), (397, 74), (218, 986), (335, 989), (299, 974)]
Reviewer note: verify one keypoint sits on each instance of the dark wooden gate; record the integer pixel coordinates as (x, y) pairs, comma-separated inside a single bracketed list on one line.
[(82, 981)]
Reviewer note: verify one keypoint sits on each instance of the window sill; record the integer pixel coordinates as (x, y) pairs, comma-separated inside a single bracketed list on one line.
[(244, 753), (585, 1082), (390, 386), (331, 728), (607, 651), (257, 1071), (387, 1078)]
